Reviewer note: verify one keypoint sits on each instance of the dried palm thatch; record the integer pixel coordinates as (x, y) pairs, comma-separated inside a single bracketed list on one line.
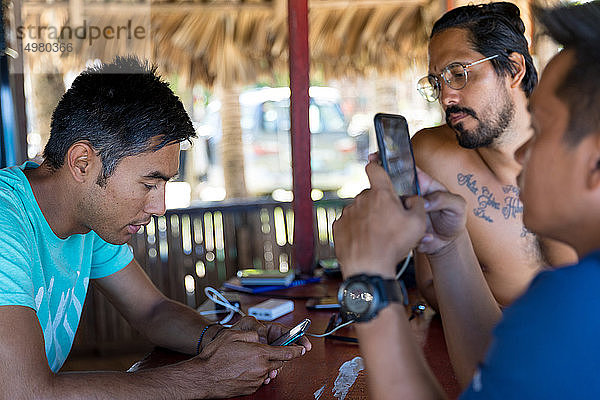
[(233, 42), (243, 46)]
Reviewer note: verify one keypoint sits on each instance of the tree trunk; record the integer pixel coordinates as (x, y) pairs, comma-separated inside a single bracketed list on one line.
[(47, 89), (232, 150), (385, 95)]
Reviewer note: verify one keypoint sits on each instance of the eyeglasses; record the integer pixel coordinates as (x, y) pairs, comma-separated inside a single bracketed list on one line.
[(455, 76)]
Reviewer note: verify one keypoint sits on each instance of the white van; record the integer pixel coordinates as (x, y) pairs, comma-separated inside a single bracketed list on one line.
[(265, 122)]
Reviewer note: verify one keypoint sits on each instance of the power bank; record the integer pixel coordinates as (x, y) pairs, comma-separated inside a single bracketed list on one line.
[(271, 309)]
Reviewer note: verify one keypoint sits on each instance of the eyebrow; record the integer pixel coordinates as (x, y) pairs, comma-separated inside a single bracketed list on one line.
[(158, 175)]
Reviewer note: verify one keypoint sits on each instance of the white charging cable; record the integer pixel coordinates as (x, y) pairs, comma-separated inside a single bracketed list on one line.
[(405, 265), (216, 297), (331, 331)]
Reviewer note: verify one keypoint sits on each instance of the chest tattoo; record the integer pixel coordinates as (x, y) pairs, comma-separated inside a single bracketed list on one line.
[(486, 200), (511, 208), (512, 203), (525, 232), (468, 181)]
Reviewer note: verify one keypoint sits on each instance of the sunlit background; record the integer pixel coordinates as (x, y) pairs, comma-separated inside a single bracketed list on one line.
[(227, 61)]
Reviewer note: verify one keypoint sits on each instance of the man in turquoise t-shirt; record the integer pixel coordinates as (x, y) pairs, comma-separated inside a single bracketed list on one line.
[(44, 272), (114, 144)]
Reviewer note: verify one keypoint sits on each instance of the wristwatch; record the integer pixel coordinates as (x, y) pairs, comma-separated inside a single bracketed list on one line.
[(362, 296)]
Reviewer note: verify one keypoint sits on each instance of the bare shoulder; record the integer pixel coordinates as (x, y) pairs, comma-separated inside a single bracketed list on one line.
[(437, 152), (435, 137)]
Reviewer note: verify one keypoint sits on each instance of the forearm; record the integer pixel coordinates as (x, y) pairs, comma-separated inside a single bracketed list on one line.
[(424, 280), (179, 381), (468, 308), (175, 326), (394, 362)]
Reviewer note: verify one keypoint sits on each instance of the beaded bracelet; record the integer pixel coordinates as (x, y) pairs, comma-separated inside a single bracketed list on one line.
[(201, 336)]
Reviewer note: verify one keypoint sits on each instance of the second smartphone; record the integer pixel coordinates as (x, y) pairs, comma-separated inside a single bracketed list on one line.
[(291, 336)]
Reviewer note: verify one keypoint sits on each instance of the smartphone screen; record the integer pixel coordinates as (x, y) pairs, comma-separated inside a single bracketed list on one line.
[(395, 152), (291, 336)]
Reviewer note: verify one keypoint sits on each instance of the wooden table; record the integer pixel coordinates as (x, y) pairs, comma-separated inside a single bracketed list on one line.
[(318, 369)]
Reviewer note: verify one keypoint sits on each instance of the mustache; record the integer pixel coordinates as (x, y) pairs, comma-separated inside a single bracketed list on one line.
[(146, 222), (456, 109)]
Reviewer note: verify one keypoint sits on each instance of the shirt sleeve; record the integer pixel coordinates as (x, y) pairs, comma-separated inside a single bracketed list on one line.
[(16, 281), (108, 258)]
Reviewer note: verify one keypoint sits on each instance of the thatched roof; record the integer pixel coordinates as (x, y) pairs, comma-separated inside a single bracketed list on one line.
[(224, 41)]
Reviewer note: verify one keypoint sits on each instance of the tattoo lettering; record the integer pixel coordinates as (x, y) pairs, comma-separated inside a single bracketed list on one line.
[(512, 207), (468, 181), (512, 189), (485, 200), (525, 232), (512, 203)]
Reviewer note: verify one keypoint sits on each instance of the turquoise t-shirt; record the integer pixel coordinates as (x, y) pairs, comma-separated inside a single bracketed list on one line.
[(44, 272)]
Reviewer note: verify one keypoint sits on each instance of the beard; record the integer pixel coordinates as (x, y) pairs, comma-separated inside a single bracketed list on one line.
[(488, 130)]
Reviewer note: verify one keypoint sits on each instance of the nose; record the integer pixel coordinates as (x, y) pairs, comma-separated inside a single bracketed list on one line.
[(155, 203), (448, 96)]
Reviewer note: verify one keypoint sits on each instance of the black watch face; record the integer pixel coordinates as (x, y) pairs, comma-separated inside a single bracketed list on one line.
[(358, 297)]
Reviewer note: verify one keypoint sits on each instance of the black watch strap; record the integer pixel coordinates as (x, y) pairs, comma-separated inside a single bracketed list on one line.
[(393, 290)]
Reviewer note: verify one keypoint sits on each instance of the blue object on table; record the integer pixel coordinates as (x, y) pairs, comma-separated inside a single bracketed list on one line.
[(261, 289)]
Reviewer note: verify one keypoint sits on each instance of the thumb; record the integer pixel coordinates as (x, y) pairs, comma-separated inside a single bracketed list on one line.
[(374, 157), (415, 203), (285, 353), (378, 178)]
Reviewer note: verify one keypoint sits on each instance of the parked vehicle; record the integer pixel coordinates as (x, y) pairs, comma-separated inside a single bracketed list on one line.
[(265, 123)]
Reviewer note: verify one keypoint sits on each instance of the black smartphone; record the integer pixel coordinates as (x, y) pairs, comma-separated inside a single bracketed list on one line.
[(323, 303), (396, 154), (291, 336)]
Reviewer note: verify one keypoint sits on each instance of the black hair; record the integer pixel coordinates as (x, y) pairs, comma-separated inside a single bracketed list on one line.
[(122, 109), (494, 28), (578, 28)]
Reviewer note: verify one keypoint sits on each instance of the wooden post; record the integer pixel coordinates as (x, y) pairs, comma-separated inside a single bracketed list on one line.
[(9, 134), (299, 103)]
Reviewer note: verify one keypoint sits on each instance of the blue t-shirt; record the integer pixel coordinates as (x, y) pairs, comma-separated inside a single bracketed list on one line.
[(44, 272), (547, 345)]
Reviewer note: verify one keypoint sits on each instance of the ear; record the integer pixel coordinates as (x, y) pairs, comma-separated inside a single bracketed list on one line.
[(518, 64), (593, 180), (81, 161)]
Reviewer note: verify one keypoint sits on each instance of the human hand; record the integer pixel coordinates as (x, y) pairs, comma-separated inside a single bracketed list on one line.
[(236, 363), (376, 231), (267, 333), (446, 215)]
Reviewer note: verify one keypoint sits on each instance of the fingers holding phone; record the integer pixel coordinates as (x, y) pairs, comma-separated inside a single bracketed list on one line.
[(293, 335), (376, 232)]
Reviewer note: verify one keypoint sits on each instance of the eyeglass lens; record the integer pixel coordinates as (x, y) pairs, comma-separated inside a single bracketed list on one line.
[(454, 75)]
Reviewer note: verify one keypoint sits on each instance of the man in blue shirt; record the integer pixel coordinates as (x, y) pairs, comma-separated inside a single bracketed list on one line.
[(114, 144), (545, 345)]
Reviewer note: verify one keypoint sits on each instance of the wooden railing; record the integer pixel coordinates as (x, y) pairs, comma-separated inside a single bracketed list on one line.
[(188, 249)]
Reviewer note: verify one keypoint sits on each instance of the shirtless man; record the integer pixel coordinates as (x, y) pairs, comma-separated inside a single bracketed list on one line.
[(483, 84), (544, 347)]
